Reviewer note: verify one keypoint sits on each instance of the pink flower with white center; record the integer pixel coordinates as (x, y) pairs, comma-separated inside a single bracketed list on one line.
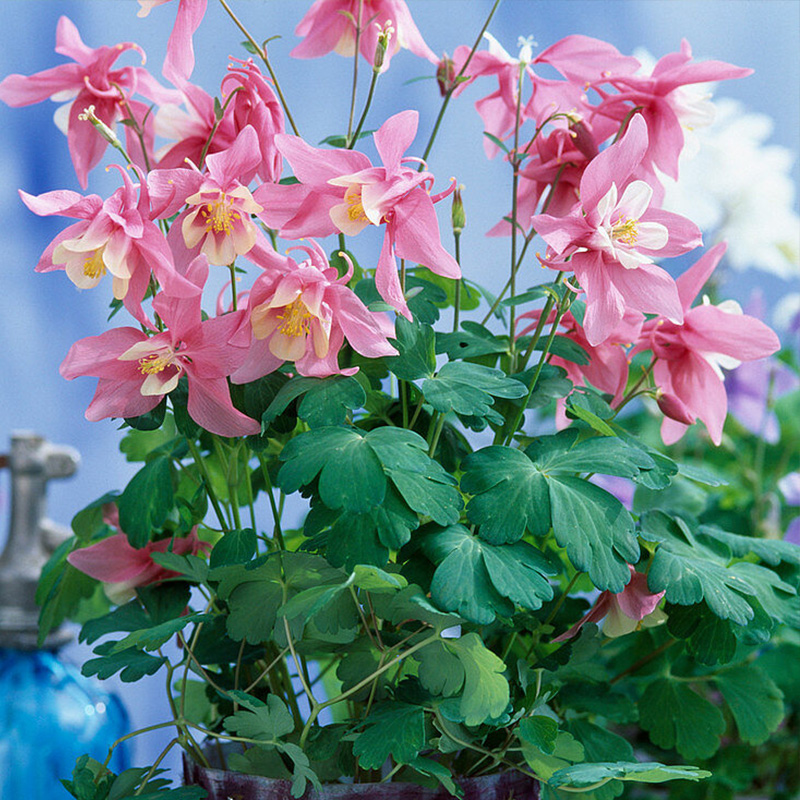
[(137, 370), (89, 81), (217, 221), (611, 235), (664, 103), (690, 357), (121, 567), (179, 62), (304, 315), (115, 236), (331, 25), (341, 192), (624, 612)]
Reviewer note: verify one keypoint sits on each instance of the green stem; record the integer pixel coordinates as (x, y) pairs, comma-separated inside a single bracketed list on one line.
[(315, 711), (355, 72), (276, 516), (449, 93), (634, 392), (437, 433), (212, 495), (457, 309), (351, 143), (515, 163)]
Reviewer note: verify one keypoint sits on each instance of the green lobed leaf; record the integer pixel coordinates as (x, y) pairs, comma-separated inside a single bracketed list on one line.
[(266, 723), (690, 572), (415, 344), (326, 401), (754, 700), (479, 580), (440, 672), (677, 717), (582, 775), (146, 501), (773, 551), (235, 547), (469, 388), (539, 731), (486, 691), (132, 664), (472, 341), (350, 474), (392, 729)]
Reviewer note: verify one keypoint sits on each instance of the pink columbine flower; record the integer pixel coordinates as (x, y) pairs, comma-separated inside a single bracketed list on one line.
[(623, 612), (217, 220), (179, 62), (612, 235), (341, 192), (690, 356), (121, 567), (331, 25), (304, 315), (115, 236), (137, 370), (89, 81), (665, 104)]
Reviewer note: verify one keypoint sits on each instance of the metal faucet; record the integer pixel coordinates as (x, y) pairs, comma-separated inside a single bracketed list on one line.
[(32, 538)]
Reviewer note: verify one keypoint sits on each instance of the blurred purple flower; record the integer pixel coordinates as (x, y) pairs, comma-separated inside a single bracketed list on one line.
[(750, 386), (621, 488), (790, 488)]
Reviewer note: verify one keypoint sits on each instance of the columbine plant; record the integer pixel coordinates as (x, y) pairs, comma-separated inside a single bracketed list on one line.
[(447, 609)]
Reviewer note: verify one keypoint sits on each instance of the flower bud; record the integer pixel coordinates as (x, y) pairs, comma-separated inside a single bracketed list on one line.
[(385, 33), (674, 408), (457, 214), (445, 74), (581, 135)]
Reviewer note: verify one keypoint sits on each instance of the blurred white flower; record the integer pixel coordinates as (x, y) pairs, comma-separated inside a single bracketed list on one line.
[(751, 206)]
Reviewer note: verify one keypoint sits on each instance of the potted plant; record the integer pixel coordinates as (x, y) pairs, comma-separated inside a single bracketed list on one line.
[(470, 607)]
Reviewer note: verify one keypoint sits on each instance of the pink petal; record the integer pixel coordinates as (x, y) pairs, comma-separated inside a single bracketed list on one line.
[(710, 329), (416, 235), (210, 406), (394, 137), (179, 63), (615, 164), (111, 560), (694, 279)]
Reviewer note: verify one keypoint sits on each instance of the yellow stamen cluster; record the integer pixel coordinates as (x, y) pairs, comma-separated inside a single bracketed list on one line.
[(295, 319), (626, 230), (154, 362), (94, 266), (356, 210), (219, 216)]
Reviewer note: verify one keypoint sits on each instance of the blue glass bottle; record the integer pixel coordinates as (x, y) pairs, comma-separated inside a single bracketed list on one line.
[(50, 714)]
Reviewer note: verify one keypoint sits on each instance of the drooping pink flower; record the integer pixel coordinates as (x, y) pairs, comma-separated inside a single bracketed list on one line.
[(611, 236), (122, 568), (115, 236), (690, 356), (137, 370), (580, 58), (255, 104), (217, 220), (331, 25), (304, 315), (89, 81), (341, 192), (179, 62), (624, 611), (664, 103)]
